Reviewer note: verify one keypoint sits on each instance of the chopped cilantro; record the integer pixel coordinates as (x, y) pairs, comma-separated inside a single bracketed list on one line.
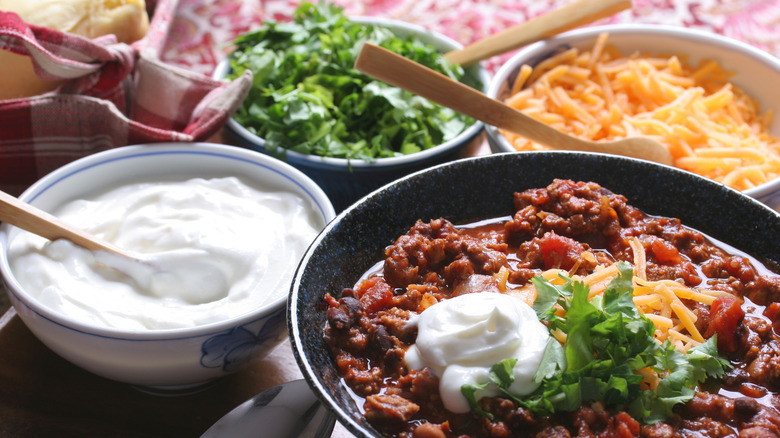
[(607, 341), (500, 372), (307, 96)]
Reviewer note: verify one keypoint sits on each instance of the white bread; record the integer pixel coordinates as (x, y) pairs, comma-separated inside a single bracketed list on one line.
[(127, 19)]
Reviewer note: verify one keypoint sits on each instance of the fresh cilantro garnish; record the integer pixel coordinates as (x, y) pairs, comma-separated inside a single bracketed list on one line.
[(307, 96), (501, 374), (607, 341)]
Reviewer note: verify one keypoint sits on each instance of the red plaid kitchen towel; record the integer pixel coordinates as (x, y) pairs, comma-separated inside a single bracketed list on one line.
[(113, 95)]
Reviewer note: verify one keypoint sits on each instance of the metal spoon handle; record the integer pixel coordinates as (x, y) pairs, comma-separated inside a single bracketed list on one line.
[(568, 17), (290, 410)]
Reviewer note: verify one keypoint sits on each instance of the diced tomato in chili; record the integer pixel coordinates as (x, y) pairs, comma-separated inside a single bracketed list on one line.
[(741, 268), (772, 312), (626, 426), (559, 251), (375, 294), (725, 315), (665, 252), (330, 301)]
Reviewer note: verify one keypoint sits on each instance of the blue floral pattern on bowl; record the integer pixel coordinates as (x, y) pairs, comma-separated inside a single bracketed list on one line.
[(232, 349)]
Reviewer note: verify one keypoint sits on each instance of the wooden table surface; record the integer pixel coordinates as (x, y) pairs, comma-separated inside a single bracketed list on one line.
[(43, 395)]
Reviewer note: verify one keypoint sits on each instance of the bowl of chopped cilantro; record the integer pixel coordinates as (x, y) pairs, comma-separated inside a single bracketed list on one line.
[(347, 131)]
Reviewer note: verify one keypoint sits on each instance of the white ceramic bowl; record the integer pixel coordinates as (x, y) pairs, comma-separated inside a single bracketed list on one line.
[(170, 359), (755, 70), (345, 181)]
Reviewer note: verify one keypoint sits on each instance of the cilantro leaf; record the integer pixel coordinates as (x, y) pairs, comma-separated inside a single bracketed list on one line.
[(618, 296), (553, 361), (502, 373), (706, 362), (580, 317), (547, 296), (469, 391)]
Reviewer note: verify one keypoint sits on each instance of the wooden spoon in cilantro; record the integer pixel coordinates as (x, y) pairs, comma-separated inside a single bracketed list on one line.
[(308, 98)]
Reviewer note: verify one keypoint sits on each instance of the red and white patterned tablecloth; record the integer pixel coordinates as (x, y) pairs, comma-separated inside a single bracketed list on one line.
[(201, 28)]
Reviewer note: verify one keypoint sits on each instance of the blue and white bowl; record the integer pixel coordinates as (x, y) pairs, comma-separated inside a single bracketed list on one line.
[(754, 70), (346, 181), (169, 359)]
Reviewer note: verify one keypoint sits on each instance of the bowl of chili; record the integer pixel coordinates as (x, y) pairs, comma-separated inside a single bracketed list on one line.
[(353, 300)]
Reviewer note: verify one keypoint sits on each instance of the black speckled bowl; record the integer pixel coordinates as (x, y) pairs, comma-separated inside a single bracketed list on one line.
[(479, 188)]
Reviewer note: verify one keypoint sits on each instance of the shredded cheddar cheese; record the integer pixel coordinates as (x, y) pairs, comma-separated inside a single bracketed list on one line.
[(710, 126), (660, 301)]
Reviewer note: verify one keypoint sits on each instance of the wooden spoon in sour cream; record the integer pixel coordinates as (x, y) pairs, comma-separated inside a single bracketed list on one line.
[(194, 276)]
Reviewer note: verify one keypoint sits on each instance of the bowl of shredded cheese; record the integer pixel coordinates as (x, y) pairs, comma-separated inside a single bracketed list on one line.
[(705, 96)]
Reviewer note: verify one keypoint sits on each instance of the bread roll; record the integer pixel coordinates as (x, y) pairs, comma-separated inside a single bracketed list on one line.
[(127, 19)]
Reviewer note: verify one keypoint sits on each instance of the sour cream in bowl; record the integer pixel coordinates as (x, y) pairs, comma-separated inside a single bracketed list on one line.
[(222, 229)]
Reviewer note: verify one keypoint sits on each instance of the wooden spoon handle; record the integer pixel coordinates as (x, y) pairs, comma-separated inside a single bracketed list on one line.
[(29, 218), (570, 16), (396, 70), (401, 72)]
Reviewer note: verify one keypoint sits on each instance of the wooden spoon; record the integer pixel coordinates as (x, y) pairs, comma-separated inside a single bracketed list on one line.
[(192, 275), (401, 72), (560, 20), (29, 218)]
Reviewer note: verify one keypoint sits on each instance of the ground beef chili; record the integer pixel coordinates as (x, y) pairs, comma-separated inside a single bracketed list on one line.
[(368, 333)]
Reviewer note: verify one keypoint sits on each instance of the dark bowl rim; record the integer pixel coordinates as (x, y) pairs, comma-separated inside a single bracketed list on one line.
[(294, 330)]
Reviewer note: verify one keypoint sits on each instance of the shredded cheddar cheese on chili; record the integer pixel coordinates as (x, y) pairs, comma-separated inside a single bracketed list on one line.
[(710, 126), (660, 301)]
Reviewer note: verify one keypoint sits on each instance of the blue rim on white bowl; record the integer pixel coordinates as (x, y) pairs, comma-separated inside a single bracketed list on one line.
[(753, 68)]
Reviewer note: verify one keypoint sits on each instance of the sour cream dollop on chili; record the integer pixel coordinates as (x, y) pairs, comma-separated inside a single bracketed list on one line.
[(462, 337), (254, 236)]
